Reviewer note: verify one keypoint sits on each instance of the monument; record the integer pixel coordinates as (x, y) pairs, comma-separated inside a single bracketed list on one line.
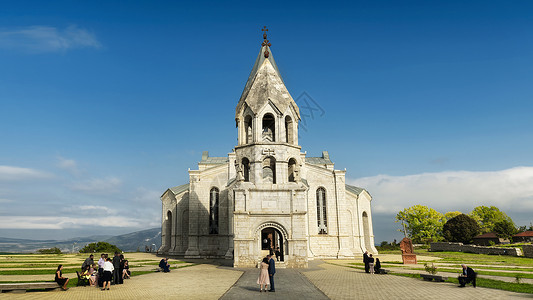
[(266, 193), (408, 255)]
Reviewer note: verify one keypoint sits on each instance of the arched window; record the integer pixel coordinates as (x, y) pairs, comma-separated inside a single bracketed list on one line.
[(213, 211), (321, 212), (269, 170), (269, 128), (292, 170), (289, 133), (248, 129), (246, 169)]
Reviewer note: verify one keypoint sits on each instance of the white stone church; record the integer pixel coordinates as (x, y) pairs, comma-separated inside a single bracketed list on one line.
[(267, 193)]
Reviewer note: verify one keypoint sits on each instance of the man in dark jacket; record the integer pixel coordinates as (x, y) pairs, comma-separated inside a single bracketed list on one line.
[(116, 272), (88, 262), (467, 276), (271, 272), (366, 262)]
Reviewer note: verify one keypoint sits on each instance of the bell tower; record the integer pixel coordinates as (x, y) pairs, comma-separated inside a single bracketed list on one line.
[(267, 120)]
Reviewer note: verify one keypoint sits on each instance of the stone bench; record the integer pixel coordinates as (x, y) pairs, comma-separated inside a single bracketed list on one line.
[(23, 286), (437, 278)]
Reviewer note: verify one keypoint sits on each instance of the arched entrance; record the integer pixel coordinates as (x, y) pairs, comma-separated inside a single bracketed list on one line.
[(272, 238)]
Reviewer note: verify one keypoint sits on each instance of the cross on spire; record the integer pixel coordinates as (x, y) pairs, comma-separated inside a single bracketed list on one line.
[(265, 41)]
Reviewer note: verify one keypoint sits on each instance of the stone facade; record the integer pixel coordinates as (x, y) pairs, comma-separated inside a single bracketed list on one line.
[(459, 247), (266, 193), (528, 250)]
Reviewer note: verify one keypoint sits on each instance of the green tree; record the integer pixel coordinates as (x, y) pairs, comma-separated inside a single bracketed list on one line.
[(461, 228), (452, 214), (488, 216), (423, 224), (100, 247), (53, 250), (505, 229)]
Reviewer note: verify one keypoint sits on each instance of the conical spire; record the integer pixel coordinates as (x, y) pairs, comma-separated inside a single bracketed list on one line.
[(269, 84)]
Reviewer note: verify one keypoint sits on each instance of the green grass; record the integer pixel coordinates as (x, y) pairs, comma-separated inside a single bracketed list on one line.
[(472, 258)]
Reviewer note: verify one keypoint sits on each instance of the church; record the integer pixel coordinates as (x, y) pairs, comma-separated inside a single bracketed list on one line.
[(266, 195)]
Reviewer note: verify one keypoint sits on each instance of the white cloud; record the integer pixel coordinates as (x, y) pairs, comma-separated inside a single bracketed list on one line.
[(9, 173), (47, 39), (95, 210), (48, 222), (69, 165), (510, 190), (98, 185)]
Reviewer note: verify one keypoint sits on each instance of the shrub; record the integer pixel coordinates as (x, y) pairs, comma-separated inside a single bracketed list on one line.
[(430, 269), (53, 250), (100, 247), (461, 228)]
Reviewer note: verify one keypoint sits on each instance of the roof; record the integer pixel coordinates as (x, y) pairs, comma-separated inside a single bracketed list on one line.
[(525, 233), (491, 235), (323, 160), (354, 189), (179, 189), (265, 84), (206, 159)]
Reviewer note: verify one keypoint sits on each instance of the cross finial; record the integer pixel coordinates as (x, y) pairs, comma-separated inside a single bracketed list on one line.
[(265, 41)]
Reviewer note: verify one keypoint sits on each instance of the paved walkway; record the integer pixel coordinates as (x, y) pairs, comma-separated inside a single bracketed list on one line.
[(347, 283), (289, 283), (196, 282), (320, 281)]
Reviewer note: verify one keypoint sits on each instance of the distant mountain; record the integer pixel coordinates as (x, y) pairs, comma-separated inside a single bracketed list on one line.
[(137, 240), (127, 242)]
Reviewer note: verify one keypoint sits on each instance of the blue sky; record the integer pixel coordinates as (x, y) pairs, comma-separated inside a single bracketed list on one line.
[(105, 104)]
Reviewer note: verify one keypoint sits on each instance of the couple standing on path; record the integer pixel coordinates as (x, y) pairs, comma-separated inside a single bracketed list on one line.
[(266, 276)]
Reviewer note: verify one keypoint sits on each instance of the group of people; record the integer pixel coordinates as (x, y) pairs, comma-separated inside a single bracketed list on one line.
[(102, 275), (112, 270), (266, 275), (371, 265)]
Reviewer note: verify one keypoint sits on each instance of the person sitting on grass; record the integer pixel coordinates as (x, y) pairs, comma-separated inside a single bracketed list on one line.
[(467, 276), (62, 281), (126, 270), (164, 265)]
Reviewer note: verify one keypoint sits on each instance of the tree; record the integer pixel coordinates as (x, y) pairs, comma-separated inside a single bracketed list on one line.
[(53, 250), (488, 216), (100, 247), (423, 224), (505, 229), (525, 228), (461, 228), (452, 214)]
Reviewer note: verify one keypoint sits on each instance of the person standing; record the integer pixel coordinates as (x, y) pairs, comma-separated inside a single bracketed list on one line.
[(88, 262), (278, 254), (263, 279), (365, 261), (116, 266), (271, 272), (108, 273), (467, 276), (371, 264)]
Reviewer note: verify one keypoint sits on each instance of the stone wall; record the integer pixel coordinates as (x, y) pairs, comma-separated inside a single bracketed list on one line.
[(528, 250), (459, 247)]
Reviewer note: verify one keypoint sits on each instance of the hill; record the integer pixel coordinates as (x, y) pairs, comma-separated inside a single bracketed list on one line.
[(127, 242)]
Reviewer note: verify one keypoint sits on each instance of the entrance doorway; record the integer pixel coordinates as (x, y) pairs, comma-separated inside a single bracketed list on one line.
[(272, 243)]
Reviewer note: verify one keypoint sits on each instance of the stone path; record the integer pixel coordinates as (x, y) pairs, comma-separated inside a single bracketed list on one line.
[(320, 281), (339, 282), (289, 283), (196, 282)]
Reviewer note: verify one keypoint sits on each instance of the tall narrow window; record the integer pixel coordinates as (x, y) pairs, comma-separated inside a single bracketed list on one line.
[(292, 170), (269, 128), (321, 211), (269, 170), (248, 129), (246, 169), (289, 130), (213, 211)]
